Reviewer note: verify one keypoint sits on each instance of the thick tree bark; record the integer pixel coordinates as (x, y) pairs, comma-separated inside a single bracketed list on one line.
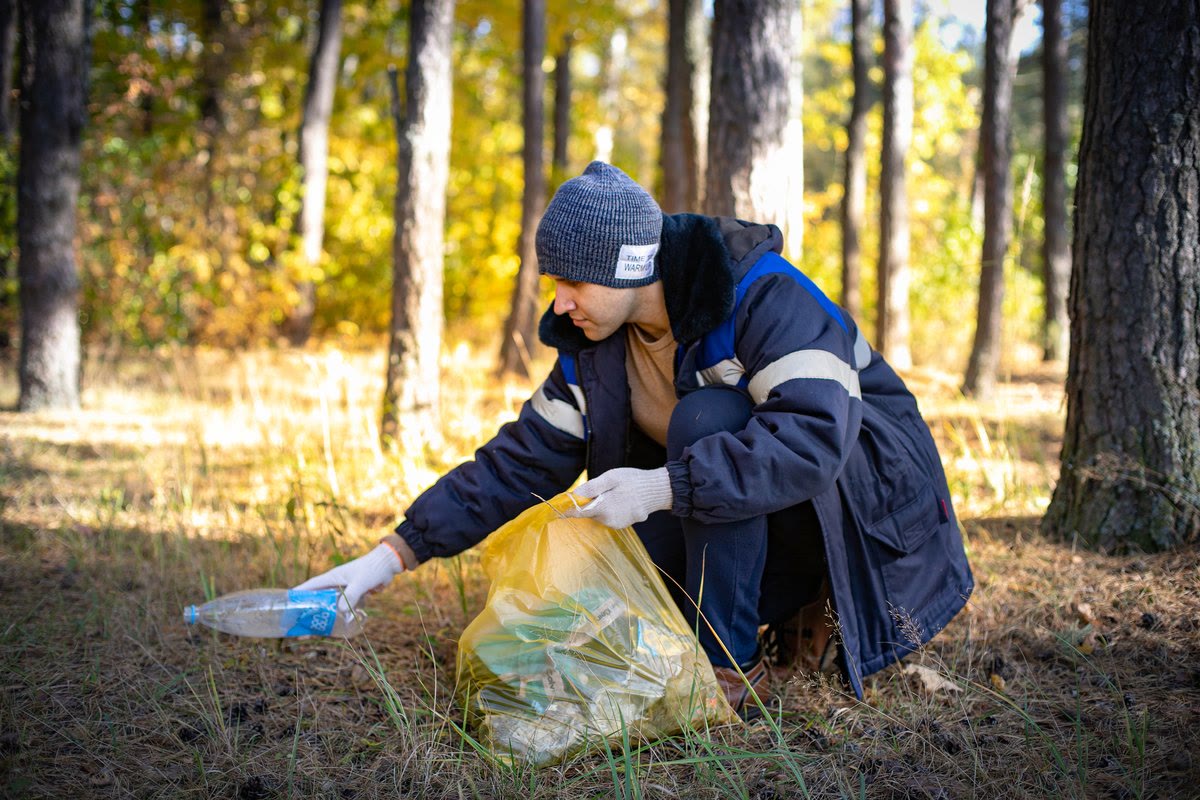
[(854, 201), (1056, 246), (1130, 474), (995, 135), (410, 405), (54, 63), (559, 163), (8, 43), (892, 329), (520, 331), (748, 163), (314, 163), (680, 159)]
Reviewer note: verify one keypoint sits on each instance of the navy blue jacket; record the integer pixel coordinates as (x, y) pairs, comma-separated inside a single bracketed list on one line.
[(832, 423)]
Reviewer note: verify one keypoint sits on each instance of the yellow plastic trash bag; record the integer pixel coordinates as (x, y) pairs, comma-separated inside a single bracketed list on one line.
[(579, 641)]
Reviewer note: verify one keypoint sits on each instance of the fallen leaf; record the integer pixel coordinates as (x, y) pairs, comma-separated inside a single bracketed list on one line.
[(1084, 612), (931, 681)]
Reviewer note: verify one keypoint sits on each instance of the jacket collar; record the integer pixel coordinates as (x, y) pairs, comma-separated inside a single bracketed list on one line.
[(701, 259)]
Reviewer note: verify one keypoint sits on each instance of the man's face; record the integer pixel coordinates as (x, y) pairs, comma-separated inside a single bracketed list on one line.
[(598, 311)]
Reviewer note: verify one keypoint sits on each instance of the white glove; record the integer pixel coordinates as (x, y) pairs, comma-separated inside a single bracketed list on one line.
[(624, 496), (365, 574)]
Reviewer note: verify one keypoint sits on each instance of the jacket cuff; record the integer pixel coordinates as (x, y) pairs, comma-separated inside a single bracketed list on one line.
[(397, 542), (681, 488)]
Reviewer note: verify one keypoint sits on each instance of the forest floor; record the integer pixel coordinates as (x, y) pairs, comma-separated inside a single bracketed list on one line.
[(192, 473)]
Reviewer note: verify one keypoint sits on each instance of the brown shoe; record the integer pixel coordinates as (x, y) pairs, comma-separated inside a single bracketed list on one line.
[(805, 640), (738, 688)]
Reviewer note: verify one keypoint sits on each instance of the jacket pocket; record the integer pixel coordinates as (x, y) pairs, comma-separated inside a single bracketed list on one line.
[(910, 526), (913, 568)]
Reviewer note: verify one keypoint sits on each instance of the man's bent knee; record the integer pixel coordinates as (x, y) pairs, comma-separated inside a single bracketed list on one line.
[(704, 412)]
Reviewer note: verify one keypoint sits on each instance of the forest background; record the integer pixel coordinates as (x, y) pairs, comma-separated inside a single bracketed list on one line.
[(191, 181)]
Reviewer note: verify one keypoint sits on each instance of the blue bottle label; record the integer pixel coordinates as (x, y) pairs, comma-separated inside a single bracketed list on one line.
[(313, 613)]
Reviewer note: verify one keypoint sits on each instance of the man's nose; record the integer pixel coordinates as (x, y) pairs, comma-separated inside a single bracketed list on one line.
[(563, 303)]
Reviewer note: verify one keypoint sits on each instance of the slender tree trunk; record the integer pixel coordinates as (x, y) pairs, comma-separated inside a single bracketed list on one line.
[(748, 167), (614, 67), (700, 45), (1130, 475), (54, 64), (892, 330), (562, 111), (679, 157), (793, 150), (211, 80), (520, 331), (8, 43), (410, 405), (1056, 247), (314, 163), (995, 130), (854, 201)]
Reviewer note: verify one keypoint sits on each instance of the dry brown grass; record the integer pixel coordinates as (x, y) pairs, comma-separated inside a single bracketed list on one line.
[(193, 473)]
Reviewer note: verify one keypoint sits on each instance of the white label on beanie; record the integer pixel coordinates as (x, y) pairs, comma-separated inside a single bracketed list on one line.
[(635, 262)]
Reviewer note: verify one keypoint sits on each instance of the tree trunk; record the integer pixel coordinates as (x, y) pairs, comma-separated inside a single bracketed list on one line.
[(614, 66), (854, 201), (892, 330), (1130, 476), (314, 163), (792, 221), (520, 331), (54, 64), (210, 80), (559, 164), (8, 42), (748, 164), (410, 405), (995, 130), (1056, 247), (680, 164)]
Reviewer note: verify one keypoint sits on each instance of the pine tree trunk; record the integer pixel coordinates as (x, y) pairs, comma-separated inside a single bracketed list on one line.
[(613, 69), (748, 164), (1056, 247), (995, 130), (1130, 474), (410, 405), (560, 163), (314, 163), (854, 201), (520, 331), (53, 112), (210, 82), (892, 329), (679, 162)]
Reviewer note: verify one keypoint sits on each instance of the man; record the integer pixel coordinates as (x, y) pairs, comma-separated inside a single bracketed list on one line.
[(736, 419)]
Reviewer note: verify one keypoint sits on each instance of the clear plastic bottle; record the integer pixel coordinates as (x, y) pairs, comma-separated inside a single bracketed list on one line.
[(277, 613)]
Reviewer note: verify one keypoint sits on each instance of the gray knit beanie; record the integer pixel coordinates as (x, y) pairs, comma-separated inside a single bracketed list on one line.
[(600, 227)]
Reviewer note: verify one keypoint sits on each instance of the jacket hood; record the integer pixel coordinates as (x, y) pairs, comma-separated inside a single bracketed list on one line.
[(700, 260)]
